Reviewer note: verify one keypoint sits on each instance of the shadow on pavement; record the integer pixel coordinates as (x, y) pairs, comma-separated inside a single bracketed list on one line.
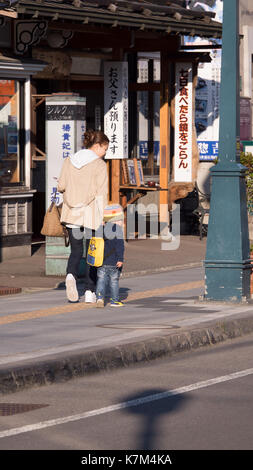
[(152, 406), (123, 291)]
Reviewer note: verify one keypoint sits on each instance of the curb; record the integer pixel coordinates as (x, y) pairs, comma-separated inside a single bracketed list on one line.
[(10, 290), (61, 368), (161, 270)]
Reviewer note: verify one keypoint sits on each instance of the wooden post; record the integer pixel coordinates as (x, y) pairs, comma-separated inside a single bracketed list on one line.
[(164, 141), (150, 163), (132, 105), (33, 125), (115, 181)]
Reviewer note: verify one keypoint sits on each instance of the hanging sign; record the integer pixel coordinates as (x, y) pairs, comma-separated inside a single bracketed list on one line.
[(116, 108), (65, 126), (245, 118), (207, 105), (183, 123)]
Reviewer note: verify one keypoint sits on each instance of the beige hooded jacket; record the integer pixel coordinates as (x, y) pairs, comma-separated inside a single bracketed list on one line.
[(84, 184)]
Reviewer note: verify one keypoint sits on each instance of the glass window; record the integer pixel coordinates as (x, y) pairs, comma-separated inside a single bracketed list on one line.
[(148, 118), (11, 125)]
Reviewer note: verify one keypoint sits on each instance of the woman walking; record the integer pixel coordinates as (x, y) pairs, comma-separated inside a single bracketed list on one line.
[(84, 184)]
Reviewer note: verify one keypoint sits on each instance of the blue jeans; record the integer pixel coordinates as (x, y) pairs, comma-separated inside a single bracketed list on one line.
[(108, 274)]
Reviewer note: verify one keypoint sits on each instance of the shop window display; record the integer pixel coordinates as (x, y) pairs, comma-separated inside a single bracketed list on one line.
[(10, 125)]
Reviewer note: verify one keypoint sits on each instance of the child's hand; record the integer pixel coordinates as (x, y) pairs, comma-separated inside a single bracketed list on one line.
[(119, 264)]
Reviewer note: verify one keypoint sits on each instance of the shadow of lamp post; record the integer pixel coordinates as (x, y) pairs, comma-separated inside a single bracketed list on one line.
[(227, 264)]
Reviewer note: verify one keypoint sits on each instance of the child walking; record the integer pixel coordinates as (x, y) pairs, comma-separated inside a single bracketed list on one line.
[(109, 272)]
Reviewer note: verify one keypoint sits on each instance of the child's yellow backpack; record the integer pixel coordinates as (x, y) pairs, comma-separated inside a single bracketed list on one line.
[(95, 254)]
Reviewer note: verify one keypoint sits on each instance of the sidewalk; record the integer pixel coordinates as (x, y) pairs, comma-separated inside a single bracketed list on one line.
[(141, 257), (45, 339)]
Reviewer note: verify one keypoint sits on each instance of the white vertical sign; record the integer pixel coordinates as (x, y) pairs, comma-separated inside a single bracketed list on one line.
[(142, 102), (65, 124), (183, 123), (80, 130), (116, 108), (207, 104)]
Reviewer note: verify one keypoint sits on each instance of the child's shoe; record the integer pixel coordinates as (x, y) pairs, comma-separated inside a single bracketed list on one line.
[(116, 304), (100, 302), (90, 297)]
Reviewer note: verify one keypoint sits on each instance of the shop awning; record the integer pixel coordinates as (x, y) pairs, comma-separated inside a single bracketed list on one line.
[(12, 66), (161, 16)]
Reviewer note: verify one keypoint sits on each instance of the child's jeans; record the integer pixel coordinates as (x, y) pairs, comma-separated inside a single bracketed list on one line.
[(108, 274)]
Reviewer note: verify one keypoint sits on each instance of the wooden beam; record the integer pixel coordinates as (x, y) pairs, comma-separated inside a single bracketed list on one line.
[(150, 162), (132, 105), (164, 142), (96, 37), (144, 87), (86, 78), (155, 43), (115, 181), (10, 14), (33, 124)]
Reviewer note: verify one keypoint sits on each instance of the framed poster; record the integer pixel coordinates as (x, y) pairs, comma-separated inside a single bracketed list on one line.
[(12, 142), (131, 172), (138, 172), (124, 172)]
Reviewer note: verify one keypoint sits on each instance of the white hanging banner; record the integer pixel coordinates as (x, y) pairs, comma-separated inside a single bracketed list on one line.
[(65, 127), (183, 123), (207, 104), (116, 108)]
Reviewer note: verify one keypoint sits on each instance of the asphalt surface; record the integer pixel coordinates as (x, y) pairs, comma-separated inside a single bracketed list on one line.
[(195, 400), (44, 339)]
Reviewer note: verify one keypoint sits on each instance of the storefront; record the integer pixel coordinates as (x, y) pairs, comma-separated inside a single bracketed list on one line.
[(16, 194), (62, 46)]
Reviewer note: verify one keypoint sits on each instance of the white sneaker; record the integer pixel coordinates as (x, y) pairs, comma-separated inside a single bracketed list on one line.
[(71, 290), (90, 297)]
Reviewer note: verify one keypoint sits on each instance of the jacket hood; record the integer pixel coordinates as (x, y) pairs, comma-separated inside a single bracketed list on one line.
[(82, 158)]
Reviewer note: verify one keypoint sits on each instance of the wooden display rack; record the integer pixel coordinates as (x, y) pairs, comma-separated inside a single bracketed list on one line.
[(132, 181)]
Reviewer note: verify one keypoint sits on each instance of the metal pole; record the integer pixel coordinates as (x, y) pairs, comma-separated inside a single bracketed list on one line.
[(227, 264)]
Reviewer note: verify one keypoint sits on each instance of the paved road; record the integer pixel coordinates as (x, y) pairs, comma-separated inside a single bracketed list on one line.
[(198, 400)]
